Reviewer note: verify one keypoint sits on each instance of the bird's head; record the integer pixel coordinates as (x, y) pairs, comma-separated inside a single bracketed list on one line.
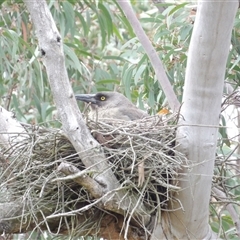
[(104, 99)]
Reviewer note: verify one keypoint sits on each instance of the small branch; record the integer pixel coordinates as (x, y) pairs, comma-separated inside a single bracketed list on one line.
[(87, 207), (230, 209), (152, 54), (158, 5), (72, 172), (9, 97), (97, 191)]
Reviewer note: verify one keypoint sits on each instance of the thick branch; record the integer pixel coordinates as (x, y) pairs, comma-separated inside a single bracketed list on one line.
[(81, 178), (74, 127), (11, 131), (50, 43), (205, 73)]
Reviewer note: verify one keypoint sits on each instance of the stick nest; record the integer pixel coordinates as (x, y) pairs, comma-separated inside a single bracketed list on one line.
[(29, 169), (29, 172)]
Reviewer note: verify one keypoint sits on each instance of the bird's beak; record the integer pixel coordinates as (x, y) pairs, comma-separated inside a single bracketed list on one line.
[(89, 98)]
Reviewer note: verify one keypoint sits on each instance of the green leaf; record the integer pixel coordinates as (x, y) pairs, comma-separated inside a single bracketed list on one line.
[(138, 73), (70, 53), (114, 58), (127, 79), (236, 63), (107, 19), (103, 30), (69, 17), (16, 106), (37, 103), (177, 7), (117, 33), (50, 110), (44, 106), (223, 132), (108, 81), (84, 25), (101, 74), (151, 20)]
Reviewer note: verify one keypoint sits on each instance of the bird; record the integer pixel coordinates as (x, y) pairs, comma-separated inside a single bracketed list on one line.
[(111, 105), (114, 105)]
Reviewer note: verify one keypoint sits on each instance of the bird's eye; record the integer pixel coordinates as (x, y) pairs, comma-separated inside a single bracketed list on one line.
[(103, 98)]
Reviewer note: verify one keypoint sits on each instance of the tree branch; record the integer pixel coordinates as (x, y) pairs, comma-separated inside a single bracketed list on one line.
[(152, 54), (205, 73), (11, 131), (230, 209), (159, 6), (88, 148), (72, 172), (50, 43)]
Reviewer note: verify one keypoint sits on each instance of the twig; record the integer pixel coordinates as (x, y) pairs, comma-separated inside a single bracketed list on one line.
[(231, 210)]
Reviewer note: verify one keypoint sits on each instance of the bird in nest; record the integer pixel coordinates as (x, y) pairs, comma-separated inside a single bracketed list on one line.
[(114, 105)]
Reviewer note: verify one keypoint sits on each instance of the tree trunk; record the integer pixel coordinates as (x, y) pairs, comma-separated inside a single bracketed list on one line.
[(198, 128)]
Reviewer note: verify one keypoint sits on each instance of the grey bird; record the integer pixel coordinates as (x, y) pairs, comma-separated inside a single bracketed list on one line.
[(111, 105), (114, 105)]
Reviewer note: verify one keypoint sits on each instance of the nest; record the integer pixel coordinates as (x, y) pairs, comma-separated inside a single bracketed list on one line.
[(29, 172), (130, 144), (29, 169)]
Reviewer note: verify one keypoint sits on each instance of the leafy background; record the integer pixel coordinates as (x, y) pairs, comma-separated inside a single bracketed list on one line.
[(103, 53)]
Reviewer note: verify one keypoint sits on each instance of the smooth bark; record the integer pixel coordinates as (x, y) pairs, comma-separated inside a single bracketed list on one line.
[(50, 44), (89, 150), (200, 112), (11, 130), (198, 129)]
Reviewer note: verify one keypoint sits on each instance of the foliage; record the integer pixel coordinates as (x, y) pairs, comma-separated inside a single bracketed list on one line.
[(102, 53)]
